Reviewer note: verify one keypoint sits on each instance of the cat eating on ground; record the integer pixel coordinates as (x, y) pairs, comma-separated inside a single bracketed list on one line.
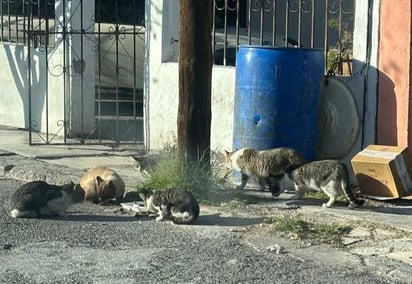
[(329, 176), (38, 198), (176, 204), (267, 165), (102, 185)]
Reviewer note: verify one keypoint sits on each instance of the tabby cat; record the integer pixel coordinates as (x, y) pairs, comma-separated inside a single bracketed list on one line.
[(329, 176), (267, 165), (102, 185), (176, 204), (38, 198)]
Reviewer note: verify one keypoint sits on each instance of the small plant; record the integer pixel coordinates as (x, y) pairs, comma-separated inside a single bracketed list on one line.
[(332, 54), (164, 174), (340, 52), (298, 228), (315, 194), (320, 195), (194, 176)]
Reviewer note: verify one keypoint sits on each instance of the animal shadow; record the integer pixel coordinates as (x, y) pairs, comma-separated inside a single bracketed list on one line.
[(81, 217), (398, 206), (218, 220)]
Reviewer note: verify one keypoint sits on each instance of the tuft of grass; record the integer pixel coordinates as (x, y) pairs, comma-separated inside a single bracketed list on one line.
[(320, 195), (198, 177), (316, 194), (298, 228), (164, 174)]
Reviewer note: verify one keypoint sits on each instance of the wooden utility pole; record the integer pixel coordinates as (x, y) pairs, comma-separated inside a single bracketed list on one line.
[(195, 77)]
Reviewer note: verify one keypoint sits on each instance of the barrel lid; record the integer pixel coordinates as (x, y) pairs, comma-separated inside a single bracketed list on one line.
[(280, 48), (339, 122)]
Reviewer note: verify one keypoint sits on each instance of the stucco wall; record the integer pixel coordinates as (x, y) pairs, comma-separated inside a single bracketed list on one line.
[(394, 73), (14, 91), (12, 82), (44, 110), (163, 79), (163, 105), (365, 67)]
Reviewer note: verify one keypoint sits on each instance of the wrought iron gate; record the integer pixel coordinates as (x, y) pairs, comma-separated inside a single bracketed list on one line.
[(326, 24), (84, 63)]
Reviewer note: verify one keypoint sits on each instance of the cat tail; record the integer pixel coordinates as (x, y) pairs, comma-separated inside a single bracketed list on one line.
[(353, 201), (16, 213), (184, 217)]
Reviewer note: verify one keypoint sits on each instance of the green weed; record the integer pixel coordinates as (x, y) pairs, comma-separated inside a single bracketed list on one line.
[(197, 176), (315, 194), (299, 228)]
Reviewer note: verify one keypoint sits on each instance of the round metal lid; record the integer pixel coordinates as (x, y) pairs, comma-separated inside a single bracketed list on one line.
[(339, 122)]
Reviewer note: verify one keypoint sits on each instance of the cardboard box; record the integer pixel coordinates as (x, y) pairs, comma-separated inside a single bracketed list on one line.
[(383, 171)]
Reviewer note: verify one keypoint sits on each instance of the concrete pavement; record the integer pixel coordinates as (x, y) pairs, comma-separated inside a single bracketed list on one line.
[(62, 163)]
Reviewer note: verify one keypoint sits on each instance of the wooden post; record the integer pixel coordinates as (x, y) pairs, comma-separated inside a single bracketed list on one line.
[(195, 72)]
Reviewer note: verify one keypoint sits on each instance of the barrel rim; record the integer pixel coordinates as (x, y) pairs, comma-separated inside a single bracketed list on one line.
[(246, 46)]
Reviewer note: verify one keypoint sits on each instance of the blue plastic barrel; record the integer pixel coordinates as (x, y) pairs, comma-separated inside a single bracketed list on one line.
[(277, 94)]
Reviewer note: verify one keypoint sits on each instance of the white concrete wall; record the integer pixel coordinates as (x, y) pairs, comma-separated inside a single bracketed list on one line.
[(163, 84), (223, 96), (366, 51), (80, 79), (13, 82), (14, 91), (163, 105), (47, 86)]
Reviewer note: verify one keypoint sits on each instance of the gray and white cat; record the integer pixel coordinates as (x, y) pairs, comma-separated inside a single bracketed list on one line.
[(38, 198), (267, 165), (176, 204), (329, 176)]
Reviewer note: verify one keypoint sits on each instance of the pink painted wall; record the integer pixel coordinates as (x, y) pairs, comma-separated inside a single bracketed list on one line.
[(394, 121)]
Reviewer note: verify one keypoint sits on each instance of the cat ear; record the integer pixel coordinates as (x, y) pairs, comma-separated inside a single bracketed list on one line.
[(78, 187), (227, 152), (99, 180)]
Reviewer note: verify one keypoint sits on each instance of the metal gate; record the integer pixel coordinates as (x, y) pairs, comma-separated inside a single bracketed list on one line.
[(326, 24), (84, 66)]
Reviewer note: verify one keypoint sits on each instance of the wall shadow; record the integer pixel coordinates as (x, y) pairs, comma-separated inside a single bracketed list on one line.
[(387, 112), (393, 210), (18, 60), (394, 206)]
